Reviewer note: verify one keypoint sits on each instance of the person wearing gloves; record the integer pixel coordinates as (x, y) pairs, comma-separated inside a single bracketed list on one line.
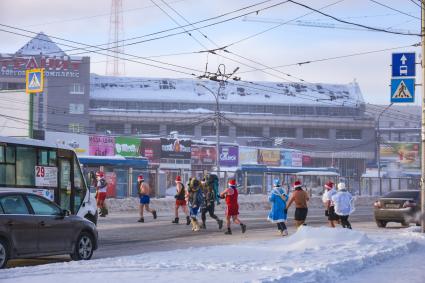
[(278, 212), (344, 205), (329, 204)]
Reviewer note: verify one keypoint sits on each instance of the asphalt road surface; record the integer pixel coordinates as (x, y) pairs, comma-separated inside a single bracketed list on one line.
[(120, 234)]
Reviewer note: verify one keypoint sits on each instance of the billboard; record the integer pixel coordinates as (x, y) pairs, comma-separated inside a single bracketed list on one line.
[(151, 149), (269, 157), (229, 155), (101, 145), (127, 146), (80, 143), (286, 158), (248, 155), (175, 148), (407, 154), (203, 155)]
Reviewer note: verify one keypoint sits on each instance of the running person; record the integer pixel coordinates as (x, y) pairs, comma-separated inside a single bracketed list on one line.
[(144, 191), (344, 205), (232, 210), (209, 205), (195, 200), (329, 204), (180, 201), (278, 212), (101, 188), (301, 198)]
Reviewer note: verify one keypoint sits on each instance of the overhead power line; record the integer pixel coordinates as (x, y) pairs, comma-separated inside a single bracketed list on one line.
[(394, 9)]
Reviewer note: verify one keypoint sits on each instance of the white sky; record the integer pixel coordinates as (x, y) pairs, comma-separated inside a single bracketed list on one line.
[(88, 22)]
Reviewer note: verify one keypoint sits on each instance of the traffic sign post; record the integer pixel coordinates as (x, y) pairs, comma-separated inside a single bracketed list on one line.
[(34, 81), (403, 71)]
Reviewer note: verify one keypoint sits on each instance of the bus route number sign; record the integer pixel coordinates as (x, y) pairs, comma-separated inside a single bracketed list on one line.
[(46, 176)]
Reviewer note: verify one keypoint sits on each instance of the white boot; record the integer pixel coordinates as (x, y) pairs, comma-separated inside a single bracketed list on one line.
[(285, 233)]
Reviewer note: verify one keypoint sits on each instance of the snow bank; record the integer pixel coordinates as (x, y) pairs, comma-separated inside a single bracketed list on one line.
[(246, 202), (310, 255)]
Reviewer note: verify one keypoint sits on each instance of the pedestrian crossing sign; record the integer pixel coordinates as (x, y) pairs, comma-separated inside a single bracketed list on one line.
[(34, 80), (402, 90)]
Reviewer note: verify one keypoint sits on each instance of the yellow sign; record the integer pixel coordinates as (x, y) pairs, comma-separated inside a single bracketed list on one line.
[(34, 80)]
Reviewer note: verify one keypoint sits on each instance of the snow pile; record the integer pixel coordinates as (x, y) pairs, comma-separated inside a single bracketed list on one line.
[(41, 44), (246, 203), (310, 255)]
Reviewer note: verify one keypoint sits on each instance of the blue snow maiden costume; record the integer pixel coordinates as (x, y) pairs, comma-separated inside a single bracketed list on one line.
[(278, 212)]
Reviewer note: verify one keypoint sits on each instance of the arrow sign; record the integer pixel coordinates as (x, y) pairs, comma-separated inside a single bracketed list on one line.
[(403, 64)]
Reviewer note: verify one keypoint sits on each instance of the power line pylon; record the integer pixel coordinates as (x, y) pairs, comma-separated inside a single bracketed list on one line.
[(114, 65)]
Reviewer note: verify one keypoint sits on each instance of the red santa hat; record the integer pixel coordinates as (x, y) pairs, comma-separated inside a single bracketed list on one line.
[(329, 185), (140, 178), (178, 179), (232, 183), (297, 184)]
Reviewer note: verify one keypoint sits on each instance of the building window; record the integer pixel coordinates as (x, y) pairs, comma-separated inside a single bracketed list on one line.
[(75, 128), (313, 133), (211, 131), (283, 132), (110, 128), (76, 88), (76, 108), (249, 132), (348, 134), (143, 129), (165, 84), (187, 130)]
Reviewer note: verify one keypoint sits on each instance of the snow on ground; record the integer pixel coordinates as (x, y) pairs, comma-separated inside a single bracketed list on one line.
[(311, 255)]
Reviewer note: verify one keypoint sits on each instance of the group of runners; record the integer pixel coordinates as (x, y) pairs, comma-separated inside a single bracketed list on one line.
[(200, 197)]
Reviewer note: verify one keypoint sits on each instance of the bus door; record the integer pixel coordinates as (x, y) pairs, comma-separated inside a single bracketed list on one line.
[(66, 180)]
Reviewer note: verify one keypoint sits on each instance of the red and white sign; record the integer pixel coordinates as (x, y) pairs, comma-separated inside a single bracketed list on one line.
[(46, 176)]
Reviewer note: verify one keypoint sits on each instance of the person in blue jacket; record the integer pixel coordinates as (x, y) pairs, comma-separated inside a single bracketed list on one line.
[(278, 212)]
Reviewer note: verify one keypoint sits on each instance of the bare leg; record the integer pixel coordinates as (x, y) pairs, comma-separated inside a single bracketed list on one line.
[(176, 211), (141, 207)]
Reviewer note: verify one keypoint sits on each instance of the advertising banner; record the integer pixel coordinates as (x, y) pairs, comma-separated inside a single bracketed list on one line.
[(229, 155), (111, 179), (151, 149), (101, 146), (306, 160), (80, 143), (297, 159), (127, 146), (203, 155), (286, 158), (407, 154), (175, 148), (248, 155), (269, 157)]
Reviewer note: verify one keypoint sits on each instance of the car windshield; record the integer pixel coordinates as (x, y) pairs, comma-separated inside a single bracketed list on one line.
[(403, 194)]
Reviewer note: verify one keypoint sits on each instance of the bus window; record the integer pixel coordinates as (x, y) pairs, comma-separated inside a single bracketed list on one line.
[(7, 170), (80, 186), (26, 160), (52, 158), (65, 184), (2, 157), (47, 157)]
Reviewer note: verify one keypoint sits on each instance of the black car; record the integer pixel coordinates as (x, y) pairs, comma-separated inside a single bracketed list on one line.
[(33, 226), (398, 206)]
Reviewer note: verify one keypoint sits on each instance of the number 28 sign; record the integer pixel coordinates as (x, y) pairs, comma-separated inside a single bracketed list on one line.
[(46, 176)]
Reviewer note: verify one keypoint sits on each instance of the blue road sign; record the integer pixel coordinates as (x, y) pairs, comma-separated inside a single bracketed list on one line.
[(402, 90), (403, 65)]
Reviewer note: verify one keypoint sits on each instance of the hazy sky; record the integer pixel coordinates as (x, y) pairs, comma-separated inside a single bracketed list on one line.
[(87, 22)]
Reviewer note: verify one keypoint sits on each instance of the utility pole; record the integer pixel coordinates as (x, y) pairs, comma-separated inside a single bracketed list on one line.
[(378, 145), (423, 119), (221, 77)]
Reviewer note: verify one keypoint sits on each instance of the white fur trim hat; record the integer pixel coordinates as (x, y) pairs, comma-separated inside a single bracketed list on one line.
[(341, 186)]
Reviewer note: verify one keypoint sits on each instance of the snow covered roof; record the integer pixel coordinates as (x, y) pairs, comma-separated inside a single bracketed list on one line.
[(234, 92), (41, 44)]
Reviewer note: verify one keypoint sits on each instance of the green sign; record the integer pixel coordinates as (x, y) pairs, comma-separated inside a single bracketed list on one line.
[(127, 146)]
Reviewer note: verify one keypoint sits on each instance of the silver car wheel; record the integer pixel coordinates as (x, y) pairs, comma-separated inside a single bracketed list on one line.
[(85, 247), (2, 254)]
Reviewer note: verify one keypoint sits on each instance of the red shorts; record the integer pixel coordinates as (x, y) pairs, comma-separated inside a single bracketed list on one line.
[(101, 196), (232, 210), (180, 202)]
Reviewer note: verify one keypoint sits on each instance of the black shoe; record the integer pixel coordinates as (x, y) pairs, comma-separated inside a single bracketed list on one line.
[(187, 220), (175, 221), (220, 224), (154, 214), (228, 232), (203, 226), (141, 220), (243, 227), (102, 215)]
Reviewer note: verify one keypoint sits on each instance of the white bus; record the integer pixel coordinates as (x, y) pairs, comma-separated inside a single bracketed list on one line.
[(50, 170)]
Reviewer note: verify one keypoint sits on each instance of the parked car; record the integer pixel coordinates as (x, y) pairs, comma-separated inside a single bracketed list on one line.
[(398, 206), (33, 226)]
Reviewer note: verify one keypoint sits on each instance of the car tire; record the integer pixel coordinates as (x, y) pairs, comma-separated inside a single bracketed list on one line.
[(405, 224), (4, 253), (84, 247), (381, 223)]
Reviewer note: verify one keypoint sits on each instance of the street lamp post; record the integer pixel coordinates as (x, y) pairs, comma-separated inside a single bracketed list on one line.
[(378, 142), (217, 128)]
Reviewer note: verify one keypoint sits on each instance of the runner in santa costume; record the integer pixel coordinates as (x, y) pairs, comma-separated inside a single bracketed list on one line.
[(278, 212), (300, 198), (330, 191), (144, 191), (180, 201), (232, 210), (101, 188)]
